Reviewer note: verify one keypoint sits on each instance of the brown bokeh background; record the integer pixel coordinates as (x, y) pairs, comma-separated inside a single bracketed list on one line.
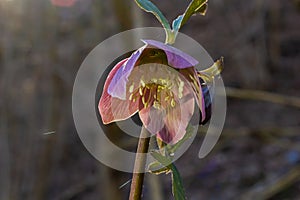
[(43, 45)]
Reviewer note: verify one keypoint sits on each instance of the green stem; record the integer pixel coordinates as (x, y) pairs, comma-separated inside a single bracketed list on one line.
[(139, 166), (170, 36), (148, 6)]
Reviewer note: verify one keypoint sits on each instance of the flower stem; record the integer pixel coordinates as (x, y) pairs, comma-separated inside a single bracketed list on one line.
[(139, 166)]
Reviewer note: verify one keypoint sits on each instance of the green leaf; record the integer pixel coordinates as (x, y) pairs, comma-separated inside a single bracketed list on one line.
[(210, 73), (165, 161), (195, 7), (148, 6), (202, 10), (157, 168), (177, 185)]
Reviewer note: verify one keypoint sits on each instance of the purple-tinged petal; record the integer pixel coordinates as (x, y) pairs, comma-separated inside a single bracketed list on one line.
[(207, 101), (117, 87), (113, 109), (176, 58)]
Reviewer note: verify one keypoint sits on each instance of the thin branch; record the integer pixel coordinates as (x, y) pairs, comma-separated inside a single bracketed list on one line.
[(263, 96)]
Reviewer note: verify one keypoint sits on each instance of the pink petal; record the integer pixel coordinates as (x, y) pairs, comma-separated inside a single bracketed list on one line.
[(176, 120), (112, 108), (191, 75), (152, 119), (169, 123)]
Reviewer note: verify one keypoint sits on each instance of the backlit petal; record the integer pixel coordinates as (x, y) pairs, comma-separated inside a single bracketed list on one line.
[(117, 86), (176, 121), (170, 121), (191, 75), (112, 108), (153, 119)]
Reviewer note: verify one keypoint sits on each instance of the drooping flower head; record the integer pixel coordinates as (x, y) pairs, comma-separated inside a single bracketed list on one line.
[(161, 83)]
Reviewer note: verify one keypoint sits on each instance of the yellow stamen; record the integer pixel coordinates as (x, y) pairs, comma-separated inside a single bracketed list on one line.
[(154, 80), (173, 103), (163, 81), (180, 89), (141, 91), (143, 100), (191, 77), (169, 84), (156, 105), (143, 83), (160, 88), (180, 94), (167, 98), (130, 97), (131, 88)]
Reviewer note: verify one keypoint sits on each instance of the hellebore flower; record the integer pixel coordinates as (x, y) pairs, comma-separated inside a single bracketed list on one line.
[(161, 83)]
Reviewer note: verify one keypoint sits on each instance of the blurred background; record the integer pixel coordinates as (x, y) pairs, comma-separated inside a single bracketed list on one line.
[(44, 42)]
